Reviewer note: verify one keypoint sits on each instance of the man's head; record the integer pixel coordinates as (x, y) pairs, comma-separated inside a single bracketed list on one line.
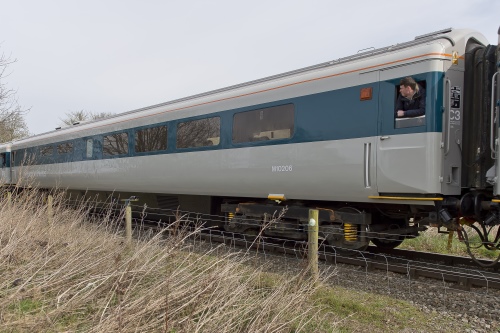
[(407, 87)]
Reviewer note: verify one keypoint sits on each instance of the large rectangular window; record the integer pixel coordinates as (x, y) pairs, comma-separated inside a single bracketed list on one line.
[(198, 133), (115, 144), (46, 150), (65, 148), (272, 123), (151, 139)]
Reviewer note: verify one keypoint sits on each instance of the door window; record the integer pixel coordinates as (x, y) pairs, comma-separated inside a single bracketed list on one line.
[(410, 107)]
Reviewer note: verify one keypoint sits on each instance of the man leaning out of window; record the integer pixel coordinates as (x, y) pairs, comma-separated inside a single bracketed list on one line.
[(411, 100)]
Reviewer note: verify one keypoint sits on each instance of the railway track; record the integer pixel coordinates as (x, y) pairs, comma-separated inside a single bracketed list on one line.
[(448, 260), (461, 272)]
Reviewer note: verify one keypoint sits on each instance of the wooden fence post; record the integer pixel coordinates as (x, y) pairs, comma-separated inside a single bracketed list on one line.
[(313, 242), (128, 222), (128, 219), (50, 212)]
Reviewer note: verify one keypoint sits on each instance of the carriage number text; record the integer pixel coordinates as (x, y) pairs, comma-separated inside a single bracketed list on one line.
[(281, 168)]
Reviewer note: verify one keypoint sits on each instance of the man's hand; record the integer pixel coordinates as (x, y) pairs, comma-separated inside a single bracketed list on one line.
[(401, 113)]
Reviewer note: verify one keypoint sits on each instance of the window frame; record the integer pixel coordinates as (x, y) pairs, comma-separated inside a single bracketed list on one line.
[(154, 126), (69, 144), (264, 129), (203, 144), (127, 144)]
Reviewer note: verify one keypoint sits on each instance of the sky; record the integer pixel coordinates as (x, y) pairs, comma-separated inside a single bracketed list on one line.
[(115, 56)]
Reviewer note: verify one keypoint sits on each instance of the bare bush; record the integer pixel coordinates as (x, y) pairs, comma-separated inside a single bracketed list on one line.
[(12, 123), (77, 273)]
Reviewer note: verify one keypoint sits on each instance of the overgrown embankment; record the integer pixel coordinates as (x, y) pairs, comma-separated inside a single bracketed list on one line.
[(74, 273), (77, 274)]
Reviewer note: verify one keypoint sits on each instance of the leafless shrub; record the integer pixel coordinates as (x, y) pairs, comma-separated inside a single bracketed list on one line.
[(76, 274)]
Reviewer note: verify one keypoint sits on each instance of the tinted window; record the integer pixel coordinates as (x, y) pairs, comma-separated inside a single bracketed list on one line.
[(65, 148), (46, 150), (264, 124), (198, 133), (151, 139), (115, 144)]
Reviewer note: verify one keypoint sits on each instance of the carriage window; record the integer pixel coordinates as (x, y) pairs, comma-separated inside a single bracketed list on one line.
[(410, 108), (151, 139), (199, 133), (115, 144), (46, 150), (264, 124), (65, 148)]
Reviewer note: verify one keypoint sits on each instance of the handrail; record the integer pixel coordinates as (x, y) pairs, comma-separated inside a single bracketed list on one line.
[(367, 155), (447, 105), (494, 118)]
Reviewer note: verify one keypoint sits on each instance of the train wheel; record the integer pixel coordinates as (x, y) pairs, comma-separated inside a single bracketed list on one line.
[(391, 241), (251, 235), (387, 244)]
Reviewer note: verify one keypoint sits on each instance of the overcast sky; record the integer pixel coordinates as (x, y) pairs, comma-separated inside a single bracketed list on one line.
[(120, 55)]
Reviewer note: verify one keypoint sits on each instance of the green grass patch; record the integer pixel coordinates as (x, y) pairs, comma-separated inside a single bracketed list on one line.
[(25, 306), (368, 312), (432, 241)]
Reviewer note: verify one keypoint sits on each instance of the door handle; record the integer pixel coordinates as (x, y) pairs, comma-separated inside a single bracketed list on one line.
[(494, 120), (385, 137)]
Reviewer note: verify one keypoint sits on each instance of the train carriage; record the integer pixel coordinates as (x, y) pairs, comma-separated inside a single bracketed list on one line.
[(323, 136)]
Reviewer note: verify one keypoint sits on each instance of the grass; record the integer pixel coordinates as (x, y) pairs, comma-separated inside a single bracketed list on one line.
[(75, 274), (370, 311), (432, 241)]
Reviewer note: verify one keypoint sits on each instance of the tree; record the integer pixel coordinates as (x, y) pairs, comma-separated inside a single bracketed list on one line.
[(82, 115), (12, 123)]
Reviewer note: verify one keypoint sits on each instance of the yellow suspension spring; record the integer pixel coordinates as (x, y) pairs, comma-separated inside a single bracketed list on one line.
[(230, 216), (350, 232)]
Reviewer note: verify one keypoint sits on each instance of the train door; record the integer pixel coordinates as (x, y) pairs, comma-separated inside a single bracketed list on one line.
[(408, 149), (5, 162), (452, 132), (13, 171)]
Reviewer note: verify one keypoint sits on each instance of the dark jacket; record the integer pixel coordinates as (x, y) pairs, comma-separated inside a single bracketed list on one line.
[(413, 107)]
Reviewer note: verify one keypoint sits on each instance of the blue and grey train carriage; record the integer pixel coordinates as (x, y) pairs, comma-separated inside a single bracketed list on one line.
[(324, 136)]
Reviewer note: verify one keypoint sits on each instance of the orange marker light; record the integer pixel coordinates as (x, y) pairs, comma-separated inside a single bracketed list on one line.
[(366, 94)]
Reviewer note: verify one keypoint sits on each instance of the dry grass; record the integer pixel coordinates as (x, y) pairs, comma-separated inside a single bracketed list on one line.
[(77, 275)]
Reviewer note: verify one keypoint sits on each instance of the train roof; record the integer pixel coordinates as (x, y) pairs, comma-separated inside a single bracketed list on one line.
[(449, 34)]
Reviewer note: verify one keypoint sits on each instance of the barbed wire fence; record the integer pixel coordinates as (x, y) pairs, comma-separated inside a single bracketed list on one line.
[(380, 273)]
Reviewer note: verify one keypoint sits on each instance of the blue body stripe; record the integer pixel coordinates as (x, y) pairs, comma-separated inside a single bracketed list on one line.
[(332, 115)]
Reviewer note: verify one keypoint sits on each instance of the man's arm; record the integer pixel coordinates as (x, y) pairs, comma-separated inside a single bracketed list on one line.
[(399, 107), (420, 111)]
